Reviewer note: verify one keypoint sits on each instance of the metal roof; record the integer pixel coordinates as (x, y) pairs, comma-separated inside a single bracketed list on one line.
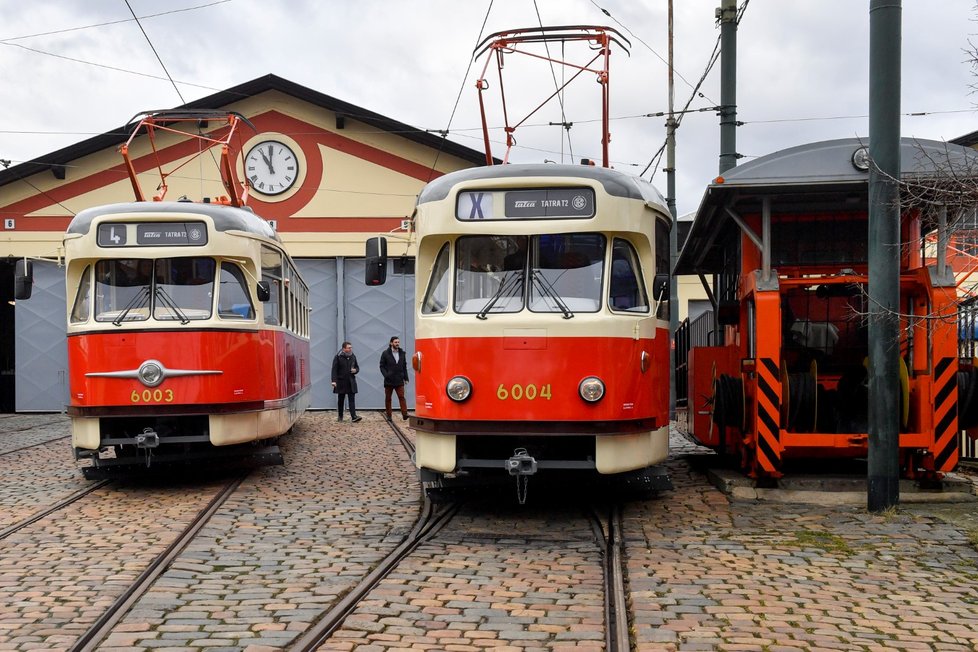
[(618, 184), (57, 160), (809, 178), (226, 218)]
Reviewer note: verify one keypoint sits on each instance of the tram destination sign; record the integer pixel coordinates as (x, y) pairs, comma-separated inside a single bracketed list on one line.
[(155, 234), (535, 204)]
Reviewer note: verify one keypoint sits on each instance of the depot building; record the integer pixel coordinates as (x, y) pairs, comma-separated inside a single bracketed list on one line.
[(359, 174)]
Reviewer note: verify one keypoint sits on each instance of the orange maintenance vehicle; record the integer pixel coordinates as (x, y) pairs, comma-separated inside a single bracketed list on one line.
[(776, 368)]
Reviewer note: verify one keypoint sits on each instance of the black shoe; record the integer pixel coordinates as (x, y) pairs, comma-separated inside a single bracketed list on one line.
[(404, 416), (387, 417), (339, 418), (355, 419)]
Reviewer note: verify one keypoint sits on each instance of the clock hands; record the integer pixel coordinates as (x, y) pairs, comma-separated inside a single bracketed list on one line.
[(269, 160)]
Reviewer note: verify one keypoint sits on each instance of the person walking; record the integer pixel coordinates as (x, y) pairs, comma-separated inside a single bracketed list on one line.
[(393, 366), (344, 377)]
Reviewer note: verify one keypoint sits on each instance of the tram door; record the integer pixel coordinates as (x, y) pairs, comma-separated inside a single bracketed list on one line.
[(40, 348)]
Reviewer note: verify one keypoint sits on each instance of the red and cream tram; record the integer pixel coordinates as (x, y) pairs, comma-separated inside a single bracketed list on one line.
[(188, 333), (541, 326)]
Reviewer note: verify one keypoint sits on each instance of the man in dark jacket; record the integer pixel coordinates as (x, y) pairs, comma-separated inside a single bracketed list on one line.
[(393, 366), (344, 376)]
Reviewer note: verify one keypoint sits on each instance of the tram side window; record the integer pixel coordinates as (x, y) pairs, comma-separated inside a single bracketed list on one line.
[(122, 289), (566, 272), (233, 301), (184, 288), (436, 296), (271, 272), (663, 263), (82, 306), (627, 290), (481, 282)]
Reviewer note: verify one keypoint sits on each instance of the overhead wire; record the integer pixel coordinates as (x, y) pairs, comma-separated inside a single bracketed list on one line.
[(109, 23), (155, 53), (560, 97), (444, 133)]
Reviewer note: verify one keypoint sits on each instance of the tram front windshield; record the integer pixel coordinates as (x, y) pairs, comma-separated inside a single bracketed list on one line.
[(168, 289), (559, 273)]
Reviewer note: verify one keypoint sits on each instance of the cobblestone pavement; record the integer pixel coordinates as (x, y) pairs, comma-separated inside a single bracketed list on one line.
[(703, 573), (288, 544), (19, 430), (58, 575), (35, 477), (709, 574), (497, 577)]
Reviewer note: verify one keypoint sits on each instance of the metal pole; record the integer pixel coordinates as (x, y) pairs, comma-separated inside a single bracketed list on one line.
[(674, 231), (727, 13), (883, 481)]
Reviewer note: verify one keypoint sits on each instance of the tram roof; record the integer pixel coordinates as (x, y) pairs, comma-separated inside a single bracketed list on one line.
[(616, 183), (812, 178), (225, 218)]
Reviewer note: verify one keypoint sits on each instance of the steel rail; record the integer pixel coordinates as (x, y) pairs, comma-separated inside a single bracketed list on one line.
[(430, 521), (26, 446), (102, 627), (61, 504), (611, 542)]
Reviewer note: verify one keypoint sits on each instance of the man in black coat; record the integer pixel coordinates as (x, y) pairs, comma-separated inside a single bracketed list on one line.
[(393, 366), (344, 376)]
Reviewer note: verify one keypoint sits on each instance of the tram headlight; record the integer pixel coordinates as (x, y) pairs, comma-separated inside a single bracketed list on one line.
[(150, 373), (458, 388), (591, 389)]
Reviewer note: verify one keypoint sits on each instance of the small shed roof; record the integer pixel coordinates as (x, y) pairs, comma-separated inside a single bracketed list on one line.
[(820, 176)]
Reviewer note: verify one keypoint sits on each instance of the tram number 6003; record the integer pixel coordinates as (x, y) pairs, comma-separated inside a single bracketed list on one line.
[(152, 396), (518, 392)]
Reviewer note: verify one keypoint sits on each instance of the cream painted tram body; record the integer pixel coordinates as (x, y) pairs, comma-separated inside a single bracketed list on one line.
[(542, 328), (188, 333)]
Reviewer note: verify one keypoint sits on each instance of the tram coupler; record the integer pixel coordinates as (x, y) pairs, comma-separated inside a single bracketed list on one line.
[(147, 439), (521, 463)]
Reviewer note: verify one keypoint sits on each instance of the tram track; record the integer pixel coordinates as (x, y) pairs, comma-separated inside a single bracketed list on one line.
[(609, 533), (34, 445), (103, 626), (61, 504), (430, 521)]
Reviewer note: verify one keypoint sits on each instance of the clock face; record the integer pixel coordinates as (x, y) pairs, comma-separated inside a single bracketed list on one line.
[(271, 167)]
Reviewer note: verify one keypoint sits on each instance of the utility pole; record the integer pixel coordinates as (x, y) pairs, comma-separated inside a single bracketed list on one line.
[(674, 231), (883, 481), (727, 15)]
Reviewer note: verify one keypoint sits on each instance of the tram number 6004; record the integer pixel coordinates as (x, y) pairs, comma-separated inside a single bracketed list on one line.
[(152, 396), (518, 392)]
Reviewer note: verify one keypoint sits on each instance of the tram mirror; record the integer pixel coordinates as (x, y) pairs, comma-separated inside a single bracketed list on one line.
[(660, 287), (23, 280), (728, 313), (376, 270), (264, 291)]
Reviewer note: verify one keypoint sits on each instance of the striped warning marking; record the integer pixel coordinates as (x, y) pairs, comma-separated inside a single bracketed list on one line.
[(768, 417), (946, 434)]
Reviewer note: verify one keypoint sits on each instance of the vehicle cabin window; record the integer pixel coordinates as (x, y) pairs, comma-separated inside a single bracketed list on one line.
[(663, 264), (566, 272), (81, 309), (271, 272), (481, 282), (122, 289), (184, 288), (233, 300), (436, 296), (626, 290)]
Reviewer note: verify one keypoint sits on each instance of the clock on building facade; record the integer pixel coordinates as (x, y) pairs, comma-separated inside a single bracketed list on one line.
[(272, 167)]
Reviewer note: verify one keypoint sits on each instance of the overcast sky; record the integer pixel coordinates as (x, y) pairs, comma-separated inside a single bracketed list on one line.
[(70, 69)]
